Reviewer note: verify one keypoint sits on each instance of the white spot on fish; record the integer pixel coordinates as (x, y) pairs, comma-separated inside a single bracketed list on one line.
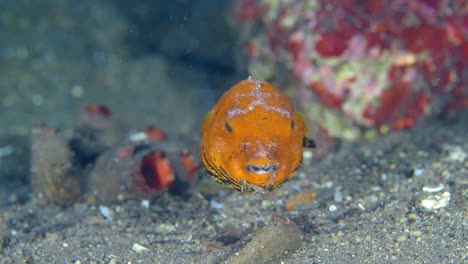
[(258, 98)]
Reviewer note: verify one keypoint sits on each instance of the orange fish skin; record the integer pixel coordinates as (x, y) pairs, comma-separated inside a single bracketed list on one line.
[(252, 140)]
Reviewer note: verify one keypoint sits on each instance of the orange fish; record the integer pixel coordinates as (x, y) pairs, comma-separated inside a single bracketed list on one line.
[(252, 140)]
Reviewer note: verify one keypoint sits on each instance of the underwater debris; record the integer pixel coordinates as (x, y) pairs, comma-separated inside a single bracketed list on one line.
[(140, 171), (137, 167), (139, 248), (107, 212), (303, 200), (150, 133), (109, 177), (94, 134), (455, 153), (53, 179), (269, 243), (434, 202)]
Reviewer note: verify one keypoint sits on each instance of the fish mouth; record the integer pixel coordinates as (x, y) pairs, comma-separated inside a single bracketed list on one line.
[(261, 169)]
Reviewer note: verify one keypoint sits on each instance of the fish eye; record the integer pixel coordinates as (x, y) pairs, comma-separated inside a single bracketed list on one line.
[(228, 127), (293, 124)]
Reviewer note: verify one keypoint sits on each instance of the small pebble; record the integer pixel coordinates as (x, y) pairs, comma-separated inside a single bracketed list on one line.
[(121, 197), (165, 227), (137, 137), (139, 248), (456, 153), (384, 177), (307, 154), (106, 212), (401, 238), (215, 205), (51, 236), (145, 203), (415, 233), (77, 91), (369, 202), (296, 187), (413, 216), (328, 184), (265, 204), (418, 172), (361, 206), (338, 196), (335, 239)]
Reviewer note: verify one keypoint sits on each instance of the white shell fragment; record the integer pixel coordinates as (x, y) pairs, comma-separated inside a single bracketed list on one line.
[(307, 154), (145, 203), (215, 205), (138, 248), (435, 202), (435, 189), (137, 137), (106, 212), (455, 153)]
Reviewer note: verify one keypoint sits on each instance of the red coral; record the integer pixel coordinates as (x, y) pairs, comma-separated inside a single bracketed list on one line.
[(296, 45), (421, 46), (389, 98), (325, 96), (398, 106), (156, 171), (331, 44)]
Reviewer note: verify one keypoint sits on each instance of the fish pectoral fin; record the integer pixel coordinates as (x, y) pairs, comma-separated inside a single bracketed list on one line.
[(308, 143)]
